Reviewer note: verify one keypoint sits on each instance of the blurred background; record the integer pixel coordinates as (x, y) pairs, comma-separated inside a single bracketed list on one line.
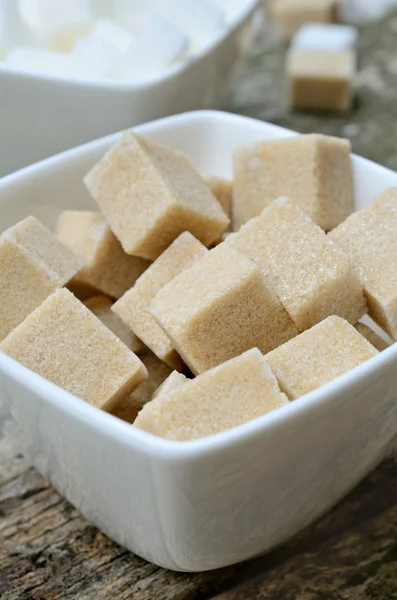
[(75, 70)]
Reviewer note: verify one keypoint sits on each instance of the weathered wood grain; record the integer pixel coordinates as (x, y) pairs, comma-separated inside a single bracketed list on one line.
[(350, 554), (49, 552)]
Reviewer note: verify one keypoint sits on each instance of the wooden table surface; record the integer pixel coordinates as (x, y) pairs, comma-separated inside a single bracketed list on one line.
[(49, 552)]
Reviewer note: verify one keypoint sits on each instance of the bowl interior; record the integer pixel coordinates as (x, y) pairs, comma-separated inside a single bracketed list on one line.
[(236, 12), (248, 488)]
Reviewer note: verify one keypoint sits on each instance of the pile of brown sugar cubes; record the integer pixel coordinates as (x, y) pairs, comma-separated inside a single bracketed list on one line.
[(191, 305)]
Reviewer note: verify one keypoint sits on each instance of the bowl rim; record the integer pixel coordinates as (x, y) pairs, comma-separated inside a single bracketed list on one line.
[(153, 446), (171, 73), (142, 441)]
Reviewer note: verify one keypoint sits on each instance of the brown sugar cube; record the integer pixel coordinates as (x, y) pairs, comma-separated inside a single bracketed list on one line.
[(82, 291), (379, 343), (33, 263), (369, 237), (149, 194), (292, 14), (229, 395), (106, 266), (320, 79), (101, 307), (220, 307), (172, 382), (126, 411), (223, 192), (319, 355), (132, 307), (40, 243), (25, 283), (224, 236), (310, 274), (65, 343), (313, 170), (158, 372)]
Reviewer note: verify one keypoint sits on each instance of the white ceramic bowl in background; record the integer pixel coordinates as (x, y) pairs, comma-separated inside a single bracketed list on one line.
[(43, 115), (208, 503)]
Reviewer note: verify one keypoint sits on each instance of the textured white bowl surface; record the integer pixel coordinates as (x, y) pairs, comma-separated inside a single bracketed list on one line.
[(205, 504)]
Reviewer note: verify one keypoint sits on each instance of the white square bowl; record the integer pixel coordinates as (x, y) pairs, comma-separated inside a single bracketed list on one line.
[(42, 115), (204, 504)]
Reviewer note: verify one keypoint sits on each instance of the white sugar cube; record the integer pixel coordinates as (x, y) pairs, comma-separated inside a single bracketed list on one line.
[(56, 24), (99, 59), (106, 30), (44, 62), (200, 20), (12, 29), (132, 14), (50, 15), (324, 36), (157, 46), (4, 25)]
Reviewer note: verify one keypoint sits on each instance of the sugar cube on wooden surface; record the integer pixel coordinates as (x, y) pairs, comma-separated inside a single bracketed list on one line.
[(223, 192), (325, 36), (149, 194), (292, 14), (229, 395), (65, 343), (320, 79), (379, 343), (311, 276), (314, 170), (369, 237), (220, 307), (101, 307), (319, 355), (132, 307), (106, 266), (33, 263), (174, 380)]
